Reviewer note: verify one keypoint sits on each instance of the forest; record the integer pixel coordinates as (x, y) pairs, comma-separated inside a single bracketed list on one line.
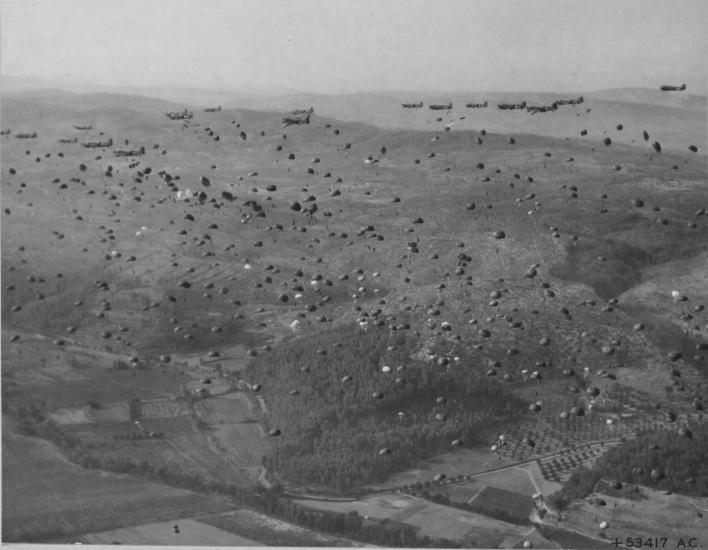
[(351, 407), (670, 460)]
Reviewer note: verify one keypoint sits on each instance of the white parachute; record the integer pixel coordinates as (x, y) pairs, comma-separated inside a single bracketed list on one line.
[(185, 194)]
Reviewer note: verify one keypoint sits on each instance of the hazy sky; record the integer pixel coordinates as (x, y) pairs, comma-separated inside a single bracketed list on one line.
[(357, 45)]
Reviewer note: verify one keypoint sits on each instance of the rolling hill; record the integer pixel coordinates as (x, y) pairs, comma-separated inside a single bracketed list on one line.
[(370, 283)]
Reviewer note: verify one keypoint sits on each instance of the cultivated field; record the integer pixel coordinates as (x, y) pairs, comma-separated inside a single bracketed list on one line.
[(46, 497), (190, 532), (233, 408), (434, 520), (465, 462), (162, 408), (516, 480), (271, 531), (242, 444)]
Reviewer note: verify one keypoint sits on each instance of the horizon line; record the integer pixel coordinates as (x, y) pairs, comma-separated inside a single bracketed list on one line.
[(121, 89)]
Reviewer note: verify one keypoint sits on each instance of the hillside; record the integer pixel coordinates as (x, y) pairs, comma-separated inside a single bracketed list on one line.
[(346, 289), (676, 120)]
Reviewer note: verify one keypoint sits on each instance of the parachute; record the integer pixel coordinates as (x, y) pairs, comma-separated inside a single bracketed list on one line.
[(185, 195)]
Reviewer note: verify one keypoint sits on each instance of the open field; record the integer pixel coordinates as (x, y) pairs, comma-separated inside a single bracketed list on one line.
[(37, 370), (194, 447), (465, 462), (191, 533), (243, 444), (271, 531), (516, 480), (232, 408), (655, 515), (494, 502), (433, 520), (45, 496)]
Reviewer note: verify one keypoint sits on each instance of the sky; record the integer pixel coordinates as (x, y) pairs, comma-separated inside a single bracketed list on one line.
[(331, 46)]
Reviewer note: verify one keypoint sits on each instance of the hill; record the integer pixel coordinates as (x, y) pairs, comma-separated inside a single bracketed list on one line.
[(496, 274), (648, 96), (676, 120)]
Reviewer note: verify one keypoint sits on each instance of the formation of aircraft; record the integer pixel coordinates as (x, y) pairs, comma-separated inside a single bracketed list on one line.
[(533, 109), (179, 115), (295, 120), (511, 106), (129, 152), (98, 144), (440, 107), (576, 101)]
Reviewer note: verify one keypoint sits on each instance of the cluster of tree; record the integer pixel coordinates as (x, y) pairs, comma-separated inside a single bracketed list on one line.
[(33, 421), (134, 409), (345, 420), (666, 460), (580, 484)]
